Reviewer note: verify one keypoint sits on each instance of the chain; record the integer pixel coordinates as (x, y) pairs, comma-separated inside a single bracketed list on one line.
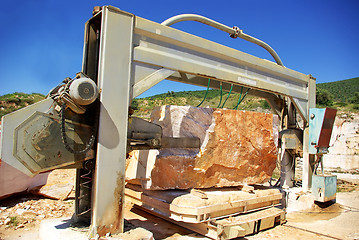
[(64, 136)]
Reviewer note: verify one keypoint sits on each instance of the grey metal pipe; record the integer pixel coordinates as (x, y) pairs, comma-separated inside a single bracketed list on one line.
[(198, 18), (234, 32)]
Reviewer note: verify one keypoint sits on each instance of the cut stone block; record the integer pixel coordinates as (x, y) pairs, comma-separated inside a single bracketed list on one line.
[(59, 191), (237, 148), (13, 181)]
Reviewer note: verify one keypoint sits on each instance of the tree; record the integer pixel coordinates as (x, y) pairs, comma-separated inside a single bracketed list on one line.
[(355, 98), (134, 104), (324, 97)]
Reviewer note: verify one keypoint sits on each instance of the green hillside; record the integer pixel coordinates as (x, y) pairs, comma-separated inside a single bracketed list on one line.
[(143, 106), (343, 95), (342, 91), (14, 101)]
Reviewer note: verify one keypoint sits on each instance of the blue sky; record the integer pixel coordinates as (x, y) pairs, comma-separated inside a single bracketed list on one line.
[(41, 41)]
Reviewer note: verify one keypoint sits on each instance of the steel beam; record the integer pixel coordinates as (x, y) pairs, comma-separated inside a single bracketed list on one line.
[(161, 46), (308, 159), (114, 69), (151, 80)]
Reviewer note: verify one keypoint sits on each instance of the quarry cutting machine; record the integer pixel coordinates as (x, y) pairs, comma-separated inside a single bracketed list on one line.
[(85, 122)]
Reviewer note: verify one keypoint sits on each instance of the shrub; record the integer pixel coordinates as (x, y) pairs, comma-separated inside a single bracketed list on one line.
[(265, 104), (355, 98), (134, 104), (324, 97)]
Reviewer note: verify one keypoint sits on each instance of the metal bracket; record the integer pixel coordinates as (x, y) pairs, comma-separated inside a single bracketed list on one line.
[(143, 135), (237, 32)]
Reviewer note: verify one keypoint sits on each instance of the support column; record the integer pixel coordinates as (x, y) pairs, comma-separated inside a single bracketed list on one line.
[(287, 169), (114, 83), (308, 159)]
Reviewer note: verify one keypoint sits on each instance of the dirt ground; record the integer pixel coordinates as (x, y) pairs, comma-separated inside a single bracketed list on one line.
[(22, 213), (21, 216)]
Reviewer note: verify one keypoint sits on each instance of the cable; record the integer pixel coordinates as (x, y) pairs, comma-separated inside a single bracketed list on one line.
[(228, 95), (241, 99), (284, 165), (220, 100), (276, 183), (245, 94), (287, 171), (209, 80)]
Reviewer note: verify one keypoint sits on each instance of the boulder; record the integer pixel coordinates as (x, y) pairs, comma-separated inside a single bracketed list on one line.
[(237, 148)]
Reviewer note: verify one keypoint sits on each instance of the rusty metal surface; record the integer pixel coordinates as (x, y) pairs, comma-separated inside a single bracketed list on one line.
[(328, 123), (320, 128), (114, 68), (180, 142)]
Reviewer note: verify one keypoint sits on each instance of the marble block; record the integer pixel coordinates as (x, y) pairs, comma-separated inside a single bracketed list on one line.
[(237, 148)]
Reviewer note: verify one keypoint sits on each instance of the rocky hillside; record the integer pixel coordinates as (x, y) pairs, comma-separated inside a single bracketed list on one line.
[(144, 106), (344, 143), (14, 101)]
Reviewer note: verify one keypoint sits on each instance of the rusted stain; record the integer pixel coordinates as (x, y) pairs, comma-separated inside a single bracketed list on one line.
[(113, 219), (326, 132)]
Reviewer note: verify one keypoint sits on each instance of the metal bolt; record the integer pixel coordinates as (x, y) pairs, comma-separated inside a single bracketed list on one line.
[(311, 77), (88, 165), (237, 32), (155, 142)]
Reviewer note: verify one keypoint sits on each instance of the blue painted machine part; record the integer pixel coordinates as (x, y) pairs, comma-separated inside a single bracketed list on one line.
[(316, 117), (321, 121), (324, 188)]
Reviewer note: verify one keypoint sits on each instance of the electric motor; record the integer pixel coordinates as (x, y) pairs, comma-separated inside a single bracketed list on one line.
[(83, 91)]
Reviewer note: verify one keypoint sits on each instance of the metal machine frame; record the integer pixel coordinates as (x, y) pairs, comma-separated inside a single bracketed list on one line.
[(126, 55)]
